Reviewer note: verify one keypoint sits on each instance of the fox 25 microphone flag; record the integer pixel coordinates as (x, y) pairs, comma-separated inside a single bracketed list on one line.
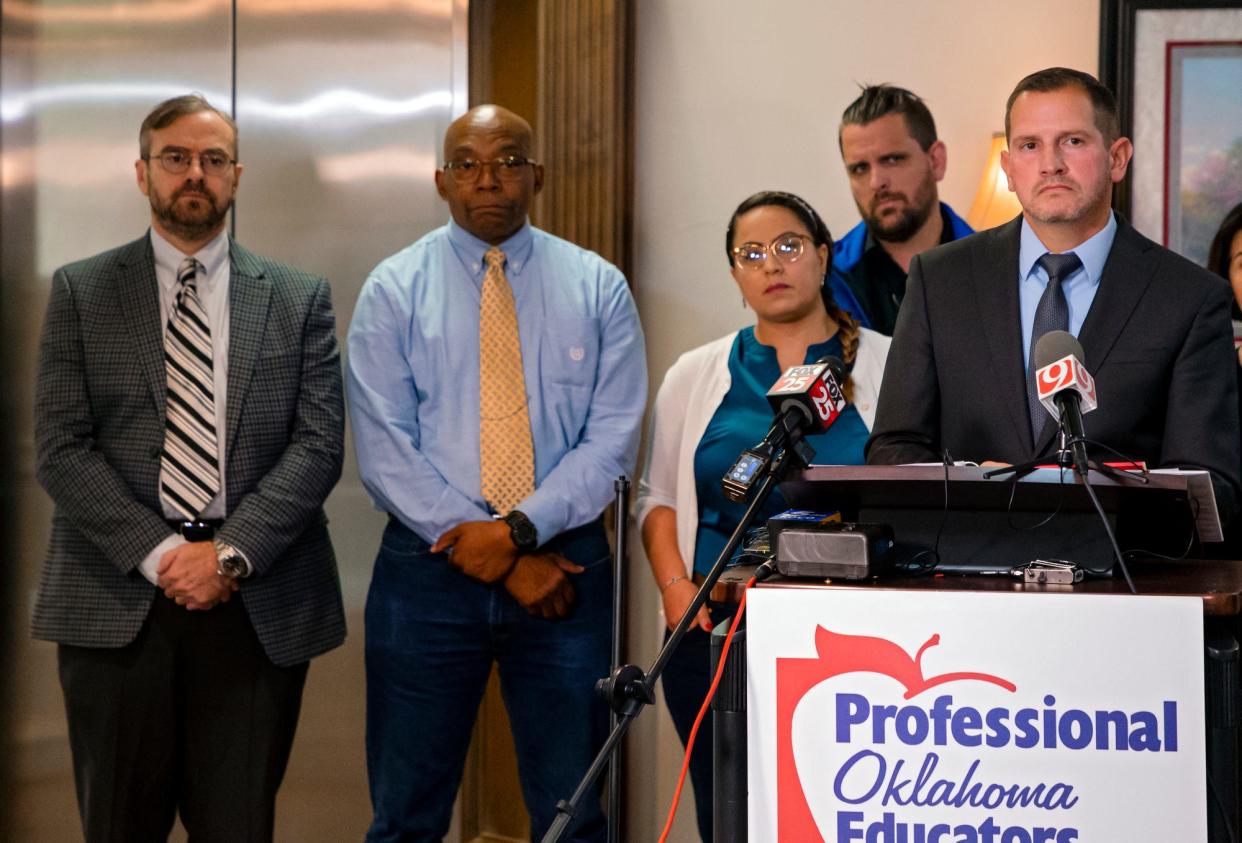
[(814, 389)]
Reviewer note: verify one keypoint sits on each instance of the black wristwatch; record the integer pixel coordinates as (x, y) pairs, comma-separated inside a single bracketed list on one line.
[(523, 533)]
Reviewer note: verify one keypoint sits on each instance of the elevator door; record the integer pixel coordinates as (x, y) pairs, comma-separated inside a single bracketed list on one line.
[(341, 105)]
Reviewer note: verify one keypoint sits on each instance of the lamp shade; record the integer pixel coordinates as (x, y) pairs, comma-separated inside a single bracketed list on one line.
[(994, 203)]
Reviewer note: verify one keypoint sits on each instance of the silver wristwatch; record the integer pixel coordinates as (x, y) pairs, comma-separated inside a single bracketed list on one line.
[(229, 561)]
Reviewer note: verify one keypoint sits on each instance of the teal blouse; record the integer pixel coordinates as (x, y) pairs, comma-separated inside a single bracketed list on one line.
[(740, 421)]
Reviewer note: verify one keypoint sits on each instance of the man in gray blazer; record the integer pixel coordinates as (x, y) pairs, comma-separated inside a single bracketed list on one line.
[(189, 425), (1154, 327)]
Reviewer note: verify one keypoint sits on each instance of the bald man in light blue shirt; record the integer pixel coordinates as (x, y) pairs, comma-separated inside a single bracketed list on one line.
[(459, 585)]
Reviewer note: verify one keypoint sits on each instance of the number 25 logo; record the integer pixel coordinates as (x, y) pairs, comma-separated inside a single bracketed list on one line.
[(823, 401), (792, 382)]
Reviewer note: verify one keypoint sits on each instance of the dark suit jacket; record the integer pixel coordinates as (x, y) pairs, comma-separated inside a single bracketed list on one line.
[(1157, 339), (99, 429)]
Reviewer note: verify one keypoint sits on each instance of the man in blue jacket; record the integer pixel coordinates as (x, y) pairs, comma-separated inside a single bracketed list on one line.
[(893, 160)]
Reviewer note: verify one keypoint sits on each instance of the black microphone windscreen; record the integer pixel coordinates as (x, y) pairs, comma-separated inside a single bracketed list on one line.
[(1055, 345), (834, 365)]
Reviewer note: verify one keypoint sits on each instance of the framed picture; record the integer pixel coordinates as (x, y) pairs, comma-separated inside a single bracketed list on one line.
[(1176, 68)]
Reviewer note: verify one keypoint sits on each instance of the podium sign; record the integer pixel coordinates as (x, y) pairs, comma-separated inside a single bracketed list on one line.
[(963, 717)]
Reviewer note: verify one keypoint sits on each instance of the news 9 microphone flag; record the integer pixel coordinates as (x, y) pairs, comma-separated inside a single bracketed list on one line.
[(1063, 370)]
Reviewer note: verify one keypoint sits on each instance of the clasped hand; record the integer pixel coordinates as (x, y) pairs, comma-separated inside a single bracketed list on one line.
[(484, 551), (187, 573), (539, 583)]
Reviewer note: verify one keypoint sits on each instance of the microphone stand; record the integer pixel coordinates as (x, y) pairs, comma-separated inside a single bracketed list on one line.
[(1066, 446), (629, 689), (1065, 459), (622, 487)]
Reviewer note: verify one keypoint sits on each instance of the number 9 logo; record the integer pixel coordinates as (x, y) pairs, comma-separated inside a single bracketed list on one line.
[(1055, 376)]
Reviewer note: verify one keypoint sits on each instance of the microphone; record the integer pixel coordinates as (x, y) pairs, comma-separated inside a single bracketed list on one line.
[(806, 400), (809, 396), (1066, 388)]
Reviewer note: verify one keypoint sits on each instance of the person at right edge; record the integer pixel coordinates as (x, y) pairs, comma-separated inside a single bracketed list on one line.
[(713, 405), (1225, 259), (1154, 327)]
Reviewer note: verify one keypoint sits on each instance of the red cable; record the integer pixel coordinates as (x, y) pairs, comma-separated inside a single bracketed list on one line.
[(707, 701)]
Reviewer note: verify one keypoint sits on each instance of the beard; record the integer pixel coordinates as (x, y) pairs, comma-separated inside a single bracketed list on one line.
[(193, 219), (908, 220)]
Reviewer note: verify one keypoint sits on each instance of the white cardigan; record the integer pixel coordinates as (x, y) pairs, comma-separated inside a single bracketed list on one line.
[(692, 391)]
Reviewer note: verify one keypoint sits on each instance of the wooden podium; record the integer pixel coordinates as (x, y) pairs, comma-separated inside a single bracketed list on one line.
[(986, 523), (980, 524)]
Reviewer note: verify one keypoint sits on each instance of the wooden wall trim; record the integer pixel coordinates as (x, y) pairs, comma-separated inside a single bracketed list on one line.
[(583, 123), (564, 65)]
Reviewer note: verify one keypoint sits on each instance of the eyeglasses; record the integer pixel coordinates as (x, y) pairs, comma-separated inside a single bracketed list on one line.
[(506, 168), (177, 161), (787, 248)]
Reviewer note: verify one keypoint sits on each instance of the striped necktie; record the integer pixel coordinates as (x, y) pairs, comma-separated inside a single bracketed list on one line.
[(189, 467), (506, 452)]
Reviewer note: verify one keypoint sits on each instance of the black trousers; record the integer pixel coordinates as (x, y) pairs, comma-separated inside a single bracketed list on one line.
[(191, 716)]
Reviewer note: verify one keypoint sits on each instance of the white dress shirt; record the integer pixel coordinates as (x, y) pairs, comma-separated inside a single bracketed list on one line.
[(213, 292)]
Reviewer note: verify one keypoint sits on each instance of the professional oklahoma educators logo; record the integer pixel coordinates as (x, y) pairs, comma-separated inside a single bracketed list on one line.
[(882, 753)]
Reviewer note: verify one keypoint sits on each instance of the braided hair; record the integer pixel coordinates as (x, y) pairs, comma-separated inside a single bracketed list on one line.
[(847, 325)]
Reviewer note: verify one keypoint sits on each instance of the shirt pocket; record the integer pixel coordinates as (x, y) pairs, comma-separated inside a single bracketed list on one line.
[(570, 352)]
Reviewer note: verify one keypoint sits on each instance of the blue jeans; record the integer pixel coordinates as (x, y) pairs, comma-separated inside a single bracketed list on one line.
[(432, 634)]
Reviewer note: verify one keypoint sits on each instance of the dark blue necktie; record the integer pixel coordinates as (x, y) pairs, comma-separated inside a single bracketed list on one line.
[(1052, 314)]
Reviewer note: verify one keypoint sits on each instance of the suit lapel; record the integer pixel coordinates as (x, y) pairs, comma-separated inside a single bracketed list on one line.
[(1126, 277), (139, 296), (995, 278), (249, 295)]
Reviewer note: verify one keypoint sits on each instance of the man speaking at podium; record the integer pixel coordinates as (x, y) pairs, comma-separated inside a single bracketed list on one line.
[(1154, 327)]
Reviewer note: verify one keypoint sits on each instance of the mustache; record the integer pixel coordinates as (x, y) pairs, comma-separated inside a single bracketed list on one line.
[(888, 194), (198, 187)]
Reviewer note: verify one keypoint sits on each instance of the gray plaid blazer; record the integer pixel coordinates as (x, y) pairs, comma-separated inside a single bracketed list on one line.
[(99, 429)]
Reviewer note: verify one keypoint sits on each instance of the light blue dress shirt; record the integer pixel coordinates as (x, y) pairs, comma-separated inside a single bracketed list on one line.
[(1080, 287), (413, 379)]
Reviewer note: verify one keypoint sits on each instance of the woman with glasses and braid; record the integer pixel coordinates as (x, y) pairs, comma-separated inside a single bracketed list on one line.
[(713, 405)]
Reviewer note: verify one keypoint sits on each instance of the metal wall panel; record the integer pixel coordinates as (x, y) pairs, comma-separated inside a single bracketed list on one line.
[(85, 75), (78, 77), (342, 105)]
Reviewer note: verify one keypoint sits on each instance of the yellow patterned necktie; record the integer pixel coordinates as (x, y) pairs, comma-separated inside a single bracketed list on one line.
[(506, 453)]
